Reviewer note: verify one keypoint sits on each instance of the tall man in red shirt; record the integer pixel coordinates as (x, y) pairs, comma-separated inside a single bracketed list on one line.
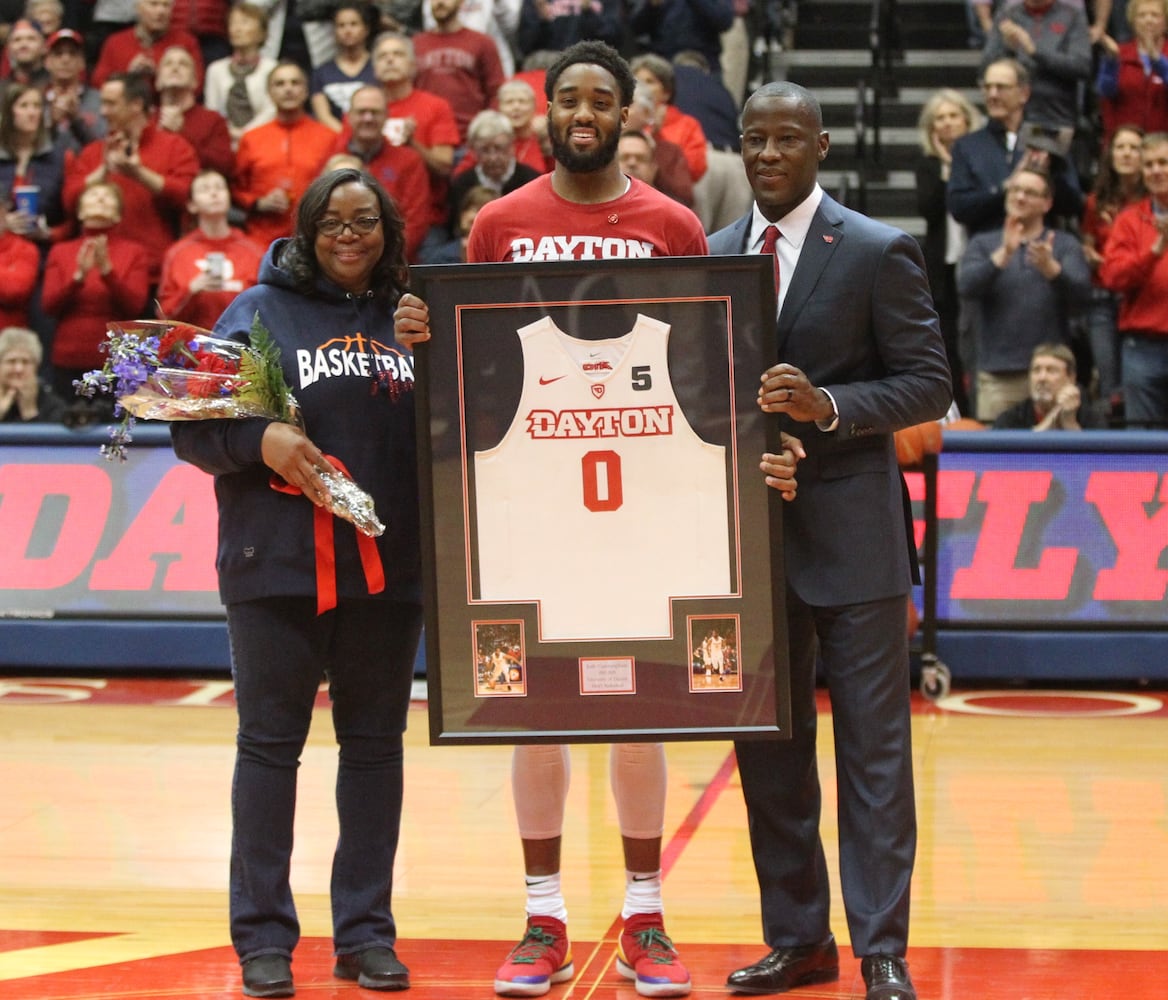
[(457, 63), (585, 209), (277, 161), (398, 169), (180, 112), (152, 167), (418, 119)]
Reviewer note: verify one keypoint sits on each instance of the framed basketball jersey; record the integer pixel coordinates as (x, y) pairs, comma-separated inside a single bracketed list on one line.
[(589, 439)]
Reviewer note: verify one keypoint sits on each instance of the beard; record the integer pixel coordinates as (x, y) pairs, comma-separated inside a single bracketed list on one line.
[(583, 163)]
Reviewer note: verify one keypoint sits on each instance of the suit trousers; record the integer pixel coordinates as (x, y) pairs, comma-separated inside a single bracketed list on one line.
[(864, 653)]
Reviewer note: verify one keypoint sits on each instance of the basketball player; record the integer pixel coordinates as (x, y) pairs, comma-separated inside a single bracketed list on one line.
[(501, 668), (565, 215)]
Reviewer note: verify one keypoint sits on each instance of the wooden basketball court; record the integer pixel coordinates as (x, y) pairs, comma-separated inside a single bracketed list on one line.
[(1040, 875)]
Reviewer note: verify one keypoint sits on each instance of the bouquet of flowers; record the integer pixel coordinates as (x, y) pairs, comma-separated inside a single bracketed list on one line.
[(164, 370)]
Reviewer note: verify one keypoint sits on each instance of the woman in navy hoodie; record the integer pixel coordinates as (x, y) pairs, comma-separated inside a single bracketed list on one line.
[(327, 296)]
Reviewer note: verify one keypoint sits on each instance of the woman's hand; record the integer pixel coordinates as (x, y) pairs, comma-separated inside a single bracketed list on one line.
[(289, 453), (411, 321)]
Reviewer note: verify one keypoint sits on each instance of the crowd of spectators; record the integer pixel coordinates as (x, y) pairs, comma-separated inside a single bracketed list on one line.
[(148, 98), (1049, 222), (150, 150)]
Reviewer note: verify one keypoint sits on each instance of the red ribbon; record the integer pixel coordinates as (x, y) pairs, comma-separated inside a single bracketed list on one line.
[(326, 556)]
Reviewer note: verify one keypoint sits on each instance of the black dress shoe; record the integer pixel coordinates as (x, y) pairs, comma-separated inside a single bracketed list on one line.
[(374, 969), (268, 976), (886, 977), (786, 968)]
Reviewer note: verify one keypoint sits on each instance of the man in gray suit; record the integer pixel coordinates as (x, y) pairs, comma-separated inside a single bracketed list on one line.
[(861, 356)]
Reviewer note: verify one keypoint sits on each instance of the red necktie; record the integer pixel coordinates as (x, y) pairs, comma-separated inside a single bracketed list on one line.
[(770, 237)]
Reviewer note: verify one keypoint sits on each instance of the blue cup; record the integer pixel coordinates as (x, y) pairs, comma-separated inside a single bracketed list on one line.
[(27, 199)]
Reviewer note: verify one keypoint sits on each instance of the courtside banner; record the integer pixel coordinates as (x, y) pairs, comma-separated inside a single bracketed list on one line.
[(1051, 530), (87, 538), (1036, 531)]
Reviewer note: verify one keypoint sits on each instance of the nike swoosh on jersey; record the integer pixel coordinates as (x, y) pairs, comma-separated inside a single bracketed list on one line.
[(549, 381)]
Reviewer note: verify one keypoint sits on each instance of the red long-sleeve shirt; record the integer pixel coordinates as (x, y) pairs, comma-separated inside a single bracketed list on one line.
[(1130, 267), (686, 131), (278, 155), (207, 132), (83, 309), (119, 50), (19, 263), (147, 218)]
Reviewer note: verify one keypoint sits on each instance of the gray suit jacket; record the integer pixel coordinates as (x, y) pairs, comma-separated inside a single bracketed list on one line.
[(858, 319)]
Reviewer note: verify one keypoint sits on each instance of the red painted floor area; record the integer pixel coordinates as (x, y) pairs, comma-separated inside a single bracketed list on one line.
[(445, 970)]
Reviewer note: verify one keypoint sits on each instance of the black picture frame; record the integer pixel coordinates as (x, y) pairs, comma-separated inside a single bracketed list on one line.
[(498, 671)]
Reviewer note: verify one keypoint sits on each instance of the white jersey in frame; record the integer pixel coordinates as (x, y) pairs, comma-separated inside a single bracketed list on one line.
[(600, 502)]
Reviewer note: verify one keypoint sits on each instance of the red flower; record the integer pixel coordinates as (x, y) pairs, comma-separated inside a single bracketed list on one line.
[(208, 362), (172, 344), (211, 377)]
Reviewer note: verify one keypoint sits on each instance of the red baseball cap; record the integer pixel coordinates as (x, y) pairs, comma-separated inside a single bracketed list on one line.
[(65, 35)]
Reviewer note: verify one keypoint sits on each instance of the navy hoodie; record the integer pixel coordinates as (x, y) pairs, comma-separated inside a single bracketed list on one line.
[(332, 346)]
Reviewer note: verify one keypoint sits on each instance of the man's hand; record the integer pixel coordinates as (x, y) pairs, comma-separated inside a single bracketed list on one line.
[(1040, 256), (411, 321), (785, 389), (780, 469), (1016, 38)]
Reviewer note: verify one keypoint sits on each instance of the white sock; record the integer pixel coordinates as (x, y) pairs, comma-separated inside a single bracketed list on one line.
[(642, 893), (544, 898)]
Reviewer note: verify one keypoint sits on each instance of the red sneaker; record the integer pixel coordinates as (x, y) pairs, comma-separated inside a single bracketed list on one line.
[(543, 957), (647, 955)]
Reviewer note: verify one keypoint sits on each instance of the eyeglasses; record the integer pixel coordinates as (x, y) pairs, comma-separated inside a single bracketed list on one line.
[(1027, 192), (359, 227)]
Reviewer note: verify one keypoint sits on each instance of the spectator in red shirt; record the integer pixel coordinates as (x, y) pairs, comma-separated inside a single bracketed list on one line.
[(277, 161), (204, 271), (398, 169), (516, 99), (152, 167), (457, 63), (138, 49), (100, 276), (418, 119), (672, 176), (179, 112), (20, 263), (672, 124)]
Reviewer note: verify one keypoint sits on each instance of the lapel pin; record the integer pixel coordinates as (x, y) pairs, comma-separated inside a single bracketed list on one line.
[(828, 239)]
